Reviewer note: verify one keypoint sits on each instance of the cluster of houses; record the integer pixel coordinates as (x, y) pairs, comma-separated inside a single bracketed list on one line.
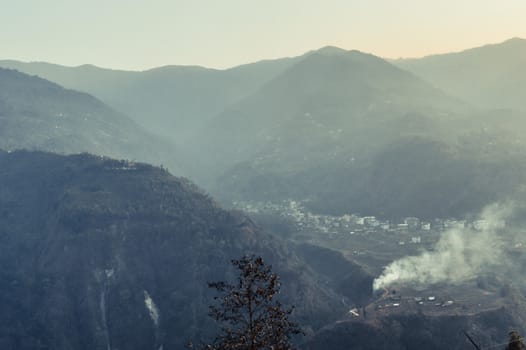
[(355, 224), (420, 301)]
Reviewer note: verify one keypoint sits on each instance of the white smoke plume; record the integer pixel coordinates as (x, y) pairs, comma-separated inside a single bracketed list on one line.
[(459, 255)]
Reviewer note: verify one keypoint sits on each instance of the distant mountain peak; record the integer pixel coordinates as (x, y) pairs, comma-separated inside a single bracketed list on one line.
[(331, 50), (332, 55), (515, 41), (87, 66)]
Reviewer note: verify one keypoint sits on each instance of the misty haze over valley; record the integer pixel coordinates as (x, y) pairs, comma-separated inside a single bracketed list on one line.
[(389, 195)]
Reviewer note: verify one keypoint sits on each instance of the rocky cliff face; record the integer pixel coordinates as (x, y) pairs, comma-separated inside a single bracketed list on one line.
[(105, 254)]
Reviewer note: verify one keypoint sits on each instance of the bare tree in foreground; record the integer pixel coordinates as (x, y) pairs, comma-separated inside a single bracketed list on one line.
[(515, 342), (250, 317)]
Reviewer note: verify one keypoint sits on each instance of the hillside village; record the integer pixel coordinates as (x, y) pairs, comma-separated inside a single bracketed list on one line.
[(374, 243), (354, 224)]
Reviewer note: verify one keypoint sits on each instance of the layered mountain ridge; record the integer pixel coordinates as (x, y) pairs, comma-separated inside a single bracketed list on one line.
[(308, 126), (40, 115), (174, 101), (99, 253), (491, 76)]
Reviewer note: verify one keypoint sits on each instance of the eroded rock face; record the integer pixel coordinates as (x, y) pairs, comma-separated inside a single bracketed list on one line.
[(105, 254)]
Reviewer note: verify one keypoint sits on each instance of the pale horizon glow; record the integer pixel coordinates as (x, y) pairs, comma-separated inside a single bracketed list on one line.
[(139, 34)]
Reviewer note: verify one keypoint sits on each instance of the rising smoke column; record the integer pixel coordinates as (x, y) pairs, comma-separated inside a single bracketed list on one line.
[(459, 255)]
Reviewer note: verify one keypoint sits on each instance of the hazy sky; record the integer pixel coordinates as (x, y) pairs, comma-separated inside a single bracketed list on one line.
[(139, 34)]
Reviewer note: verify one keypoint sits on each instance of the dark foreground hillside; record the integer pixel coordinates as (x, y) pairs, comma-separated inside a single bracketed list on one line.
[(104, 254)]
